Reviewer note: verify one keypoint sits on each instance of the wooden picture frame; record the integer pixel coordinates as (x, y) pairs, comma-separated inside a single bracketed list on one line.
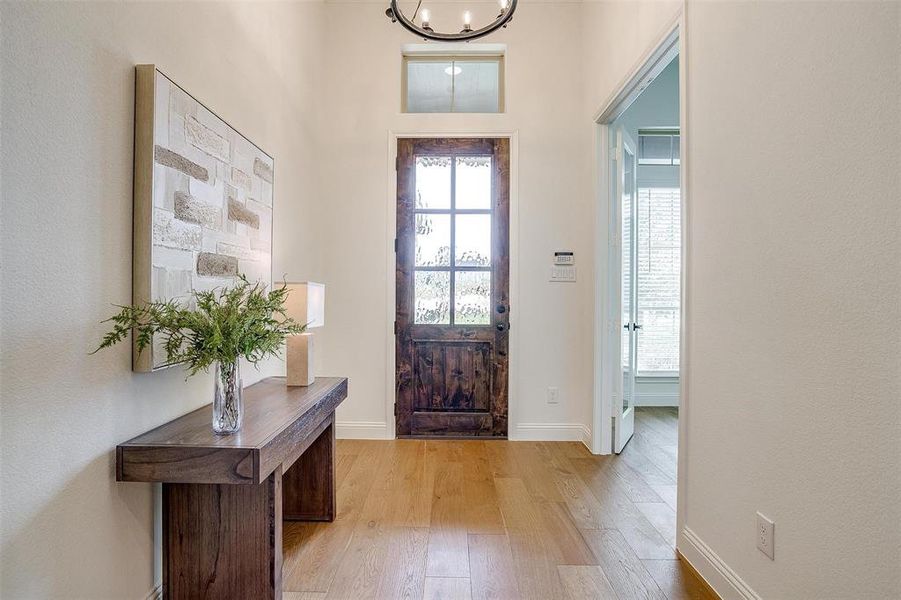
[(203, 201)]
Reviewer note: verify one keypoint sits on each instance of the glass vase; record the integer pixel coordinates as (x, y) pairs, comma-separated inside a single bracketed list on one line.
[(228, 403)]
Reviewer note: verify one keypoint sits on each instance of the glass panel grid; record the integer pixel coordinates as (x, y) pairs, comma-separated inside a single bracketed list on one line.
[(452, 284)]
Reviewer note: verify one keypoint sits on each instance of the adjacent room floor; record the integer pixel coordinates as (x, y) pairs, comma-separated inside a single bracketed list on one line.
[(476, 519)]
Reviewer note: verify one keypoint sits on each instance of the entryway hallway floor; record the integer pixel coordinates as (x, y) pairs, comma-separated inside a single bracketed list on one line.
[(497, 519)]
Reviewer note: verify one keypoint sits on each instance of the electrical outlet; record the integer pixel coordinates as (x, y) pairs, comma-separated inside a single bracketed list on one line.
[(766, 532), (553, 395)]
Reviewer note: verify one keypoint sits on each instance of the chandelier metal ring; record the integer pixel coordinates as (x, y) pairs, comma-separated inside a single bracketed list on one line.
[(396, 15)]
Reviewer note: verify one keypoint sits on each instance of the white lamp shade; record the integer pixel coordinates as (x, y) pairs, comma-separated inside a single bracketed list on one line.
[(306, 303)]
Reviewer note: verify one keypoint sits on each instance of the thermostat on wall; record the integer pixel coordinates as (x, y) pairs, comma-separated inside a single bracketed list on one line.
[(564, 258)]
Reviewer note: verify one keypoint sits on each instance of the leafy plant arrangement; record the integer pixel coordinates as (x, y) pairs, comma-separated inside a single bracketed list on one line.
[(227, 324)]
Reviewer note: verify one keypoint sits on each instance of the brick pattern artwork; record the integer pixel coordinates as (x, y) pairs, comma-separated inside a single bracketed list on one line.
[(212, 201)]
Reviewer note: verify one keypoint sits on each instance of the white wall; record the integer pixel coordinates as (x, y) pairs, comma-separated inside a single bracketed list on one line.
[(551, 322), (793, 346), (68, 529)]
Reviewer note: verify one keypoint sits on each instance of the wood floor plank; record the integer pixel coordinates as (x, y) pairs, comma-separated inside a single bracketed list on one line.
[(625, 571), (662, 517), (676, 580), (584, 508), (585, 583), (491, 566), (448, 554), (354, 489), (667, 493), (634, 456), (447, 588), (564, 542), (536, 553), (362, 565), (536, 472), (343, 464), (401, 494), (663, 456), (312, 553), (403, 576), (303, 595), (480, 501)]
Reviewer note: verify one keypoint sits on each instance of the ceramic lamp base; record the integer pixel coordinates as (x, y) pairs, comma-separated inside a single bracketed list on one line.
[(299, 359)]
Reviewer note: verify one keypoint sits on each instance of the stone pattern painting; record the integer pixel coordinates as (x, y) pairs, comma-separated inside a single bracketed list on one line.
[(212, 201)]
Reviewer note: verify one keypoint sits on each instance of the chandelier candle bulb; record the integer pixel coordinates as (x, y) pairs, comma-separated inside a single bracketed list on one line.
[(425, 18), (467, 21)]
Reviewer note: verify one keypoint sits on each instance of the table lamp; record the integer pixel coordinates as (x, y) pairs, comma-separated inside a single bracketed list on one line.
[(306, 305)]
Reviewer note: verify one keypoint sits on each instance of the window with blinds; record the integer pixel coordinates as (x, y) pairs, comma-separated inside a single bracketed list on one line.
[(659, 260), (659, 147)]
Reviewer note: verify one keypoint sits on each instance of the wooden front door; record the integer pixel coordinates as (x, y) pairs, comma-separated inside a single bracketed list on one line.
[(453, 280)]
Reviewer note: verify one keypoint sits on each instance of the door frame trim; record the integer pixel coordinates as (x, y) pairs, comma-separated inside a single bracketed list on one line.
[(390, 286), (649, 66), (675, 34)]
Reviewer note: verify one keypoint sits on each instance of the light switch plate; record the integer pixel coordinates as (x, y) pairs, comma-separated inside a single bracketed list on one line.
[(563, 273)]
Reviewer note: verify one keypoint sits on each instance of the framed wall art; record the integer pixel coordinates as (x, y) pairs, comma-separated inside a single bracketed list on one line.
[(203, 196)]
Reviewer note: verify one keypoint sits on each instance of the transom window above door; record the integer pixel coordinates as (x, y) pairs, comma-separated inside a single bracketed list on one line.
[(453, 84), (453, 224)]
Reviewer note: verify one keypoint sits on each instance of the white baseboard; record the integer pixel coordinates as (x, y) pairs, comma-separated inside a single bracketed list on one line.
[(718, 574), (156, 593), (553, 432), (545, 432), (657, 400), (362, 430)]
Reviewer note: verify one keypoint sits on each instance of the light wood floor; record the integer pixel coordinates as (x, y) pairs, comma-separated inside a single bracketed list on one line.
[(496, 519)]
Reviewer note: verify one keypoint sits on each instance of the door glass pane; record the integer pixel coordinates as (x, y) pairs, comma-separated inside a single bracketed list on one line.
[(628, 283), (432, 297), (473, 182), (432, 240), (433, 175), (430, 86), (472, 305), (472, 241)]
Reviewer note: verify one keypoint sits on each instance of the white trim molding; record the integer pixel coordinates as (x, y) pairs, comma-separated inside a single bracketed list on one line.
[(390, 258), (669, 44), (362, 430), (553, 432), (718, 575)]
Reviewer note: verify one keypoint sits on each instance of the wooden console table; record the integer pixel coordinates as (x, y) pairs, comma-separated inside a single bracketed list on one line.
[(224, 497)]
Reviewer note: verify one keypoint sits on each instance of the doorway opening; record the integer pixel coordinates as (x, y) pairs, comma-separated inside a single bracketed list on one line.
[(645, 157), (638, 334), (452, 315)]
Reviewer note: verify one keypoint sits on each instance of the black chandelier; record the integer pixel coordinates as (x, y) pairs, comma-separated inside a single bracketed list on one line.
[(425, 31)]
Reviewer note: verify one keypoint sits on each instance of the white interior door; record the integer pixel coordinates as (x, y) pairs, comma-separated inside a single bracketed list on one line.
[(627, 212)]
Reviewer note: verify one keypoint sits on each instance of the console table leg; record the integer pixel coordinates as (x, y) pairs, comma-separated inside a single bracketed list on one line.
[(223, 541), (309, 485)]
